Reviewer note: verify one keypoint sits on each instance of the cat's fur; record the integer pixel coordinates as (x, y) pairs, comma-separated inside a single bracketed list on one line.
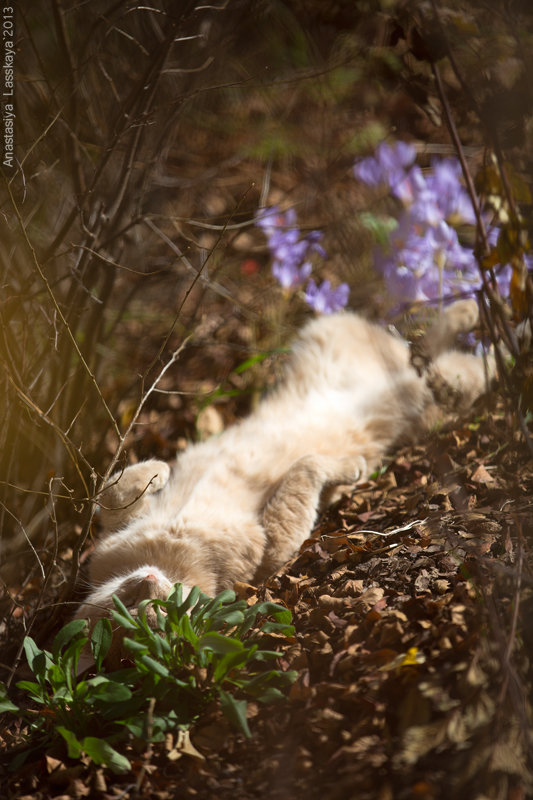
[(236, 507)]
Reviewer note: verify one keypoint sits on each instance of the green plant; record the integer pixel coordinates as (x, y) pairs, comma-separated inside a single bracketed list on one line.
[(197, 650)]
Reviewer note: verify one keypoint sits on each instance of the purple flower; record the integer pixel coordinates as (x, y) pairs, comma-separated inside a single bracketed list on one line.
[(290, 275), (401, 154), (408, 186), (369, 171), (291, 253), (268, 219), (503, 278), (314, 238), (426, 261), (324, 299), (389, 165), (451, 197), (284, 238), (286, 246), (423, 258)]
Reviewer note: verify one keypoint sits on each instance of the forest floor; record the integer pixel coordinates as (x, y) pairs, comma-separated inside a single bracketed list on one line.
[(411, 608)]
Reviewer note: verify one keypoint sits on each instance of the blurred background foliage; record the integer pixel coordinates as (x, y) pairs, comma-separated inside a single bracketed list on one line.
[(147, 138)]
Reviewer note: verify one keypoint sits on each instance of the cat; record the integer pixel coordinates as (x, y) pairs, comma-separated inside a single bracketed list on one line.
[(238, 506)]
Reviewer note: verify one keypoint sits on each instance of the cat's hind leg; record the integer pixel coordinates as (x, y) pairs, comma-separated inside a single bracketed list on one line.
[(127, 494), (290, 512)]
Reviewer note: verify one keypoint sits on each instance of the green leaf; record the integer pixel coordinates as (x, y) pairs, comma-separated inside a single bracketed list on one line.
[(251, 362), (5, 702), (194, 595), (68, 661), (161, 618), (379, 227), (266, 655), (64, 694), (56, 675), (277, 627), (67, 633), (101, 639), (206, 609), (270, 695), (280, 613), (259, 685), (229, 618), (135, 726), (159, 647), (235, 712), (135, 646), (34, 689), (38, 659), (101, 752), (230, 661), (186, 630), (125, 622), (219, 644), (176, 595), (108, 691), (123, 616), (74, 746), (154, 666)]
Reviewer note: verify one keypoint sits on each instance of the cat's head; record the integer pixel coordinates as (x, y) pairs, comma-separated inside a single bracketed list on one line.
[(144, 583)]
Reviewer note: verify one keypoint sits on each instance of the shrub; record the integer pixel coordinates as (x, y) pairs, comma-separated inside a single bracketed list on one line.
[(200, 650)]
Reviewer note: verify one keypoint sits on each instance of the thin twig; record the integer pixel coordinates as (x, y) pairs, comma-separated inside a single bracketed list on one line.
[(114, 461), (59, 311)]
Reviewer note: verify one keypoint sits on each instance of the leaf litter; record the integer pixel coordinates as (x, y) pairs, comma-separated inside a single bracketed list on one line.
[(412, 613)]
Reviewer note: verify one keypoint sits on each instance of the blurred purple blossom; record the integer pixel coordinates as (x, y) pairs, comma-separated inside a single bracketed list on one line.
[(291, 254), (290, 275), (388, 166), (444, 182), (424, 259), (324, 299)]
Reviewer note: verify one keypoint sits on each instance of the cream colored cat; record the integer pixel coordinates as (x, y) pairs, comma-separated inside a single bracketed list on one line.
[(236, 507)]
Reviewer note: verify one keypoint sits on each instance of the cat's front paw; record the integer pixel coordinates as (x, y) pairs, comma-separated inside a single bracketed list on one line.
[(146, 477), (345, 470), (158, 474), (128, 493), (360, 469), (354, 469)]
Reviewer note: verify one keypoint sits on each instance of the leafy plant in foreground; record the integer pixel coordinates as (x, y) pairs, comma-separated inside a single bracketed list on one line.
[(197, 650)]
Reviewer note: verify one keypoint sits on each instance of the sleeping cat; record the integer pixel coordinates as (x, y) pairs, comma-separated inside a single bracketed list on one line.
[(238, 506)]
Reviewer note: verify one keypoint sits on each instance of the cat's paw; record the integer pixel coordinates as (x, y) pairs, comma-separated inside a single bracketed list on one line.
[(346, 470), (146, 477), (157, 479), (127, 494), (361, 469), (356, 468)]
